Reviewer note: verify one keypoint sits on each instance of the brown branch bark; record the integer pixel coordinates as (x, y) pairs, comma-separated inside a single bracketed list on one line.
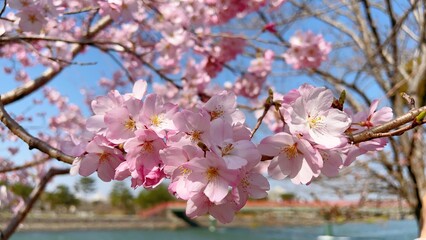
[(19, 217), (377, 132), (32, 141), (26, 165), (51, 73)]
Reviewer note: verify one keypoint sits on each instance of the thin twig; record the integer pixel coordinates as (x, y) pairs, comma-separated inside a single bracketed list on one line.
[(32, 141), (26, 165), (3, 8), (410, 100), (50, 73), (269, 102)]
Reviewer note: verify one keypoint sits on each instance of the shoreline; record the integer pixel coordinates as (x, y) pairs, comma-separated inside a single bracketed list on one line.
[(123, 222)]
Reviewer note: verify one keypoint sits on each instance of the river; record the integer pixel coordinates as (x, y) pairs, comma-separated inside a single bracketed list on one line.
[(389, 230)]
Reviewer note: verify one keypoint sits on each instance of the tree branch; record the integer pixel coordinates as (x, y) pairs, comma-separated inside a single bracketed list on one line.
[(26, 165), (382, 130), (29, 203), (50, 73), (32, 141)]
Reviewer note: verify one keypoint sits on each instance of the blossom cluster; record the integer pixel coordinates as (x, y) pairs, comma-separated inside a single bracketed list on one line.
[(313, 138), (250, 84), (307, 50), (206, 151), (33, 14)]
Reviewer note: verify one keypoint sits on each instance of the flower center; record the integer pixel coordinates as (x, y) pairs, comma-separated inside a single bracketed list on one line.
[(32, 18), (103, 157), (147, 146), (196, 136), (227, 149), (212, 173), (216, 114), (291, 151), (314, 121), (156, 120), (325, 156), (130, 124), (184, 171)]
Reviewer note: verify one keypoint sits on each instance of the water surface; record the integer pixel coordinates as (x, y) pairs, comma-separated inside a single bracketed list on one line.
[(389, 230)]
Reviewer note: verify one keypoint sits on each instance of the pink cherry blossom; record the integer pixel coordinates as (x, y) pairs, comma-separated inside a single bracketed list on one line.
[(365, 120), (101, 157), (251, 183), (292, 157), (196, 125), (122, 122), (158, 115), (143, 150), (307, 50), (236, 154), (224, 106), (31, 19), (200, 204), (312, 116), (212, 176)]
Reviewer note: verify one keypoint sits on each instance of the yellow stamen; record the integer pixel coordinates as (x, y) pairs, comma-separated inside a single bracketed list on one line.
[(103, 157), (212, 173), (147, 146), (216, 114), (184, 171), (156, 120), (195, 136), (291, 151), (314, 121), (227, 149), (130, 124)]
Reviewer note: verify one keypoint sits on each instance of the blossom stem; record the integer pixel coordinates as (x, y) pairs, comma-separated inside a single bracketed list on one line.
[(268, 104)]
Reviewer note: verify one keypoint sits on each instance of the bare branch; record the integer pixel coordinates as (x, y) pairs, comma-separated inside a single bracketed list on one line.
[(29, 203), (380, 131), (32, 141), (3, 8), (26, 165), (50, 73)]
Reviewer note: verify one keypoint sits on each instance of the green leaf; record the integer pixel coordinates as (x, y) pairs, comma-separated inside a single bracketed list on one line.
[(420, 117)]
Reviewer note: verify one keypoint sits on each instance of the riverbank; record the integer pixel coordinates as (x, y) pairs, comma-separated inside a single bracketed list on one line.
[(294, 216)]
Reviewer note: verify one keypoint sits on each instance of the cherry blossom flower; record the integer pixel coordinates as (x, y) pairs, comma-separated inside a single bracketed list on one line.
[(292, 157), (200, 204), (307, 50), (196, 125), (312, 116), (31, 19), (224, 106), (101, 157), (365, 120), (122, 122), (158, 116), (236, 154), (212, 176)]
